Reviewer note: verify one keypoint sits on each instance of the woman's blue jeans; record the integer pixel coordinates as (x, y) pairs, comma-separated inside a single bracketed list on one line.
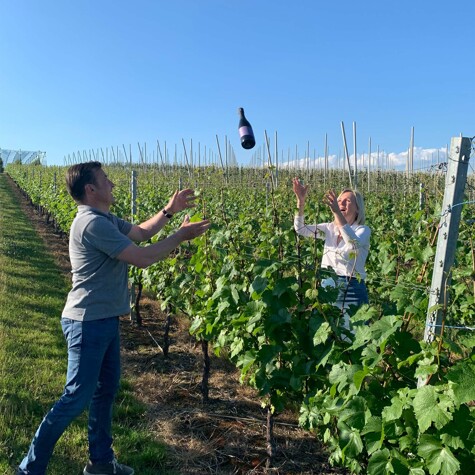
[(92, 380), (351, 291)]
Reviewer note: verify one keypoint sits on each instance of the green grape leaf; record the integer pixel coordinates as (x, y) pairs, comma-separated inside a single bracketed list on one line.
[(462, 377), (235, 294), (394, 411), (373, 434), (258, 285), (322, 334), (452, 441), (350, 441), (432, 407), (354, 413), (417, 471), (439, 459), (380, 462), (245, 361), (362, 336), (427, 253)]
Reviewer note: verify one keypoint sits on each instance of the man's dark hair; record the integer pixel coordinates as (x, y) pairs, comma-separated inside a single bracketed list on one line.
[(80, 175)]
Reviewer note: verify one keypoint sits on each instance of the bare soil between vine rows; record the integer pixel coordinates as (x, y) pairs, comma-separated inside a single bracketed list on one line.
[(227, 435)]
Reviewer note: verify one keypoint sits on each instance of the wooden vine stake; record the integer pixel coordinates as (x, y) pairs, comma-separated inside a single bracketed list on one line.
[(166, 333), (270, 441)]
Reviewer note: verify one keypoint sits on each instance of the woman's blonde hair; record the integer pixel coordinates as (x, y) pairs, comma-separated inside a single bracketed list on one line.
[(361, 215)]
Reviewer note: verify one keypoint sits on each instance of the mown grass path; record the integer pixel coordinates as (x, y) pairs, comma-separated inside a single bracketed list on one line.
[(33, 355)]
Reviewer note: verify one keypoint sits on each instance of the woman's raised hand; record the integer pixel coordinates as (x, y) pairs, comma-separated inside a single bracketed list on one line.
[(331, 200), (299, 190)]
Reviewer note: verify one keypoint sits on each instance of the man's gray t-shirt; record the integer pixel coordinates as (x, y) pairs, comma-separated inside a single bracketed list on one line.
[(100, 280)]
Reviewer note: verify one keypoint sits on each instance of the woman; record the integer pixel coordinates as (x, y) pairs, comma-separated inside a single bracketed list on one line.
[(346, 241)]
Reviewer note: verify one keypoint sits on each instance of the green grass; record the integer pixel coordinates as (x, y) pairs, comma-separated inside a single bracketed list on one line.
[(33, 357)]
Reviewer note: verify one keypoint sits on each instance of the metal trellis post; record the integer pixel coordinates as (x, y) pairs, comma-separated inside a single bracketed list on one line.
[(456, 177), (133, 210)]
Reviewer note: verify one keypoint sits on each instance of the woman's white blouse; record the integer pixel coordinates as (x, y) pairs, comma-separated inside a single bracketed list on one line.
[(346, 257)]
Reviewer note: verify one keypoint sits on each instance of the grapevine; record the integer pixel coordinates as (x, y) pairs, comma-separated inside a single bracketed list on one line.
[(251, 291)]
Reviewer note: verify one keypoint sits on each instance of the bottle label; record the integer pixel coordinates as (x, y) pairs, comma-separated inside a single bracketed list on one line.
[(245, 131)]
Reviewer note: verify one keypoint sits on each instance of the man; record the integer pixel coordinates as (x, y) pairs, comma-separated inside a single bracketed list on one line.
[(100, 247)]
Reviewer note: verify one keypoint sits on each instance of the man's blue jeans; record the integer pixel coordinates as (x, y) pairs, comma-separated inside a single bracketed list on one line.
[(92, 380)]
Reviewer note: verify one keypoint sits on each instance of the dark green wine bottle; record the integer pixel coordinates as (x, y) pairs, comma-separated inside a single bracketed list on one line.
[(245, 131)]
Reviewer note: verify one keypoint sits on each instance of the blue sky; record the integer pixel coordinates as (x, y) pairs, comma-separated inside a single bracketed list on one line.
[(91, 74)]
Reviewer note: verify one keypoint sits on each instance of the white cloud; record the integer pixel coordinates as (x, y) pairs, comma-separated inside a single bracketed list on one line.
[(423, 159)]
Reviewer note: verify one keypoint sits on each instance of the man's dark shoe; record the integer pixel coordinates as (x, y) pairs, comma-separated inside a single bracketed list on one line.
[(111, 468)]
